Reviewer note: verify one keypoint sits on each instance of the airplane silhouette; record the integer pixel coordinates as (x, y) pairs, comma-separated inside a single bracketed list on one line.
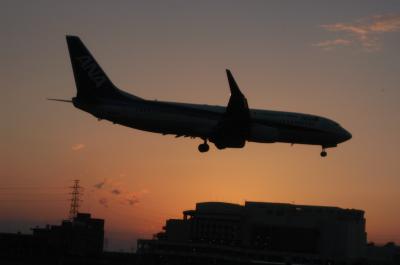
[(226, 127)]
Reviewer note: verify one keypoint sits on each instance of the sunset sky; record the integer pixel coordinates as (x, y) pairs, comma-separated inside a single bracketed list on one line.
[(338, 59)]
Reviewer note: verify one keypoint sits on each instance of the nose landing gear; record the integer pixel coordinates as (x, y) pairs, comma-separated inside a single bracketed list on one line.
[(323, 152), (204, 147)]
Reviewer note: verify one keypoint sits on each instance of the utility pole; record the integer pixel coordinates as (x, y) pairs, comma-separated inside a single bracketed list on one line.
[(75, 199)]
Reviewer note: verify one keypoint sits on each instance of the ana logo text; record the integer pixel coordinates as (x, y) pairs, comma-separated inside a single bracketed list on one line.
[(92, 69)]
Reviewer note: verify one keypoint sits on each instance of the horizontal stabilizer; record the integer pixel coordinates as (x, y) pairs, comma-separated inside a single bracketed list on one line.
[(61, 100)]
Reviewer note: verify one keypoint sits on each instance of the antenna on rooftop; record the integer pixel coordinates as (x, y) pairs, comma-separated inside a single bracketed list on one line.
[(76, 201)]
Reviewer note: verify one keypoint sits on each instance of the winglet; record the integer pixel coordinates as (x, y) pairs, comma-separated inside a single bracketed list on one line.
[(235, 90), (237, 105)]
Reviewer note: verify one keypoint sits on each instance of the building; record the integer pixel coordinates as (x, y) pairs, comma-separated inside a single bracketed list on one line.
[(81, 237), (261, 232), (388, 254)]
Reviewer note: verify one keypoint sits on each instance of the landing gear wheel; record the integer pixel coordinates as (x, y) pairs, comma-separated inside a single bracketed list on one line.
[(324, 153), (203, 148)]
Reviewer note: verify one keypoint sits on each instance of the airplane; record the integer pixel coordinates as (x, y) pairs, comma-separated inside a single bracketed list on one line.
[(226, 127)]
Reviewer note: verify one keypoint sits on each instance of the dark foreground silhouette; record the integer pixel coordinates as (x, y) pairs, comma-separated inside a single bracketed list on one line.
[(214, 233)]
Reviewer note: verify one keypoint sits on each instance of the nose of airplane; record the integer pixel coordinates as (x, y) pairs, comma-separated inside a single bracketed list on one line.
[(345, 135)]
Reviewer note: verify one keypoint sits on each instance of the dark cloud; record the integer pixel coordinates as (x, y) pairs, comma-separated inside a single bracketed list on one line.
[(116, 191), (104, 202), (119, 195), (100, 185), (132, 200)]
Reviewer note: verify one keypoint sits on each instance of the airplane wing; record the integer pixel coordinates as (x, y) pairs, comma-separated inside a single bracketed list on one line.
[(234, 126)]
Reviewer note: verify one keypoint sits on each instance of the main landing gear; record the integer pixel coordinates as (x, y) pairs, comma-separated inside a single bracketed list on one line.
[(204, 147), (323, 152)]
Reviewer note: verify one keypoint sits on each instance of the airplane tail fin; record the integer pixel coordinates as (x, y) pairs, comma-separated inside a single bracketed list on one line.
[(91, 81)]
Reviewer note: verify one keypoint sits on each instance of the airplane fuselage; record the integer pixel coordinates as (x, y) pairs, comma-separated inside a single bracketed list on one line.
[(227, 127), (196, 120)]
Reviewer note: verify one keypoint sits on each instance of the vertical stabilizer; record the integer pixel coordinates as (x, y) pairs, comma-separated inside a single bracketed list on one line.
[(91, 81)]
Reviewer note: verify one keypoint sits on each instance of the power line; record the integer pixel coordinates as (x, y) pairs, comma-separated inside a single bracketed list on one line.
[(19, 193), (30, 188), (32, 200)]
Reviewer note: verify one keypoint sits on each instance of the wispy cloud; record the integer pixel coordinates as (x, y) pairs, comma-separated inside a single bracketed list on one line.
[(331, 44), (364, 32), (77, 147), (120, 194)]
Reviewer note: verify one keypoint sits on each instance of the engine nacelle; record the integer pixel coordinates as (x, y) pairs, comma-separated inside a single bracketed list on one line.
[(263, 134)]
